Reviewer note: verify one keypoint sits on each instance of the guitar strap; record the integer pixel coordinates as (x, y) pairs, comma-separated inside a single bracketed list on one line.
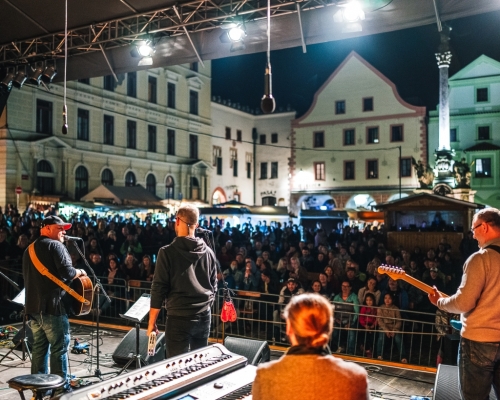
[(45, 272)]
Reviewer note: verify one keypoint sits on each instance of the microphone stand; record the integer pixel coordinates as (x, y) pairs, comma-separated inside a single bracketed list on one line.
[(97, 288)]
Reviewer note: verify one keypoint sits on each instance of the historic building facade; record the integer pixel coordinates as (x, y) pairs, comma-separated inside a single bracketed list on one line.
[(356, 145), (474, 100)]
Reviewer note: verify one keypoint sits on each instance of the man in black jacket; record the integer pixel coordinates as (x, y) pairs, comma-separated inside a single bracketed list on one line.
[(186, 276), (44, 299)]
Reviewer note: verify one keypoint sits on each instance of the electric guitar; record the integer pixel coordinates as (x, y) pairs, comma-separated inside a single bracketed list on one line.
[(397, 273), (83, 286)]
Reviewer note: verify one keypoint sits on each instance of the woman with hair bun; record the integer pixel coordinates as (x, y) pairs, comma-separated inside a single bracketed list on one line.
[(302, 372)]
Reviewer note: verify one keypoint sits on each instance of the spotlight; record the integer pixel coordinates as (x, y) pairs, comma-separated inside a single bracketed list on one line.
[(36, 75), (236, 33), (353, 12), (6, 82), (20, 78), (145, 49), (49, 73)]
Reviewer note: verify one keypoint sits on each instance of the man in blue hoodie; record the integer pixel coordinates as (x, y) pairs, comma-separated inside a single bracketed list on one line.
[(186, 276)]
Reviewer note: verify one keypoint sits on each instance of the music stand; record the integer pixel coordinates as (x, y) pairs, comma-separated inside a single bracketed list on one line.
[(20, 300), (136, 314)]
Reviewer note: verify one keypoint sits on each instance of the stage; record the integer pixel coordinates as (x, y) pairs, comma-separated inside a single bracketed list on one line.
[(386, 382)]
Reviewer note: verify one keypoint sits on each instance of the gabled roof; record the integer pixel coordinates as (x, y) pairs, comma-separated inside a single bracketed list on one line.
[(482, 147), (52, 141), (427, 200), (123, 195), (483, 66)]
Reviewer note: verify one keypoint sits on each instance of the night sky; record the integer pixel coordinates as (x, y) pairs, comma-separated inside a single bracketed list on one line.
[(406, 57)]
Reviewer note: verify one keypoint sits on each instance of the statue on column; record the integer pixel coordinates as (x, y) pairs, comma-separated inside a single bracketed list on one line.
[(425, 174)]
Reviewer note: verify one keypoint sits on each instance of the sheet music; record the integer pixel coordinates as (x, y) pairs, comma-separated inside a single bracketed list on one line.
[(20, 298), (139, 310)]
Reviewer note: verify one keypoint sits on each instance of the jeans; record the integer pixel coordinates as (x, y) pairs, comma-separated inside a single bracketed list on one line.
[(398, 338), (183, 334), (479, 368), (351, 335), (50, 332)]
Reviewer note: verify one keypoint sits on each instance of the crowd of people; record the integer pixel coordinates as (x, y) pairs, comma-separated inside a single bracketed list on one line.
[(279, 261)]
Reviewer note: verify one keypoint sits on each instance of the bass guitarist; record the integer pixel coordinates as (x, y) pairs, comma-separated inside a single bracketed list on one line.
[(44, 298)]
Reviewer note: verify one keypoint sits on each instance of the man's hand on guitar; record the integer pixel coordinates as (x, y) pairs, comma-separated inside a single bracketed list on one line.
[(434, 296)]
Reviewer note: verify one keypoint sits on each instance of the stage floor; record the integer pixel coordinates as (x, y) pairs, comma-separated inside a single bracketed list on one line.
[(385, 382)]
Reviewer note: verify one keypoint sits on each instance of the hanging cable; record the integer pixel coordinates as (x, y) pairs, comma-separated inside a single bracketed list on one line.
[(65, 109), (268, 104)]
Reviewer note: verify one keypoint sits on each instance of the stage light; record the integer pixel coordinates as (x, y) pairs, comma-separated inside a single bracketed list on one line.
[(144, 51), (6, 82), (353, 12), (49, 73), (20, 78), (236, 33), (36, 74)]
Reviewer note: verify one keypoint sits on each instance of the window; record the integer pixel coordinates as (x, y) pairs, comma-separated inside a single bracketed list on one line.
[(453, 135), (151, 184), (85, 81), (274, 138), (81, 182), (152, 138), (170, 142), (216, 153), (269, 201), (45, 178), (193, 102), (238, 135), (274, 170), (131, 134), (405, 167), (228, 133), (483, 133), (372, 169), (372, 135), (218, 162), (109, 83), (263, 170), (132, 84), (349, 170), (152, 89), (169, 187), (397, 133), (193, 67), (109, 130), (107, 177), (319, 171), (248, 159), (193, 147), (130, 179), (340, 107), (235, 168), (233, 155), (319, 139), (195, 188), (349, 137), (368, 104), (262, 139), (170, 95), (82, 128), (44, 117), (483, 167), (482, 95)]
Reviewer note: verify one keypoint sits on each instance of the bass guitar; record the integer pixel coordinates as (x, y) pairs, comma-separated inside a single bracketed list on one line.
[(397, 273), (82, 286)]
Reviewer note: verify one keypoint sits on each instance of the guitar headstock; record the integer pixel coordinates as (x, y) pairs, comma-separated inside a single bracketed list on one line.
[(393, 272)]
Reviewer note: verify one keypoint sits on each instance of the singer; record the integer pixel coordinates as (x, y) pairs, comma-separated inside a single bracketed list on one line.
[(44, 299), (186, 277)]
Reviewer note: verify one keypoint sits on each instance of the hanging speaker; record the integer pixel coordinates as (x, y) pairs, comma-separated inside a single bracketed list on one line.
[(256, 351), (126, 349)]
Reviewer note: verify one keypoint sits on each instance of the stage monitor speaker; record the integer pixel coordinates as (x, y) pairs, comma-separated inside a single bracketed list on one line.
[(19, 336), (256, 351), (446, 385), (126, 349)]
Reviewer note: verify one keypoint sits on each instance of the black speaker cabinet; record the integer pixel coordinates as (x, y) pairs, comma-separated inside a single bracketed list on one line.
[(446, 385), (19, 336), (256, 351), (126, 349)]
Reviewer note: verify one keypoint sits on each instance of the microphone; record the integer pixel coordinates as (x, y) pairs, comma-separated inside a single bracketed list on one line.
[(268, 104), (68, 238), (65, 120), (202, 230)]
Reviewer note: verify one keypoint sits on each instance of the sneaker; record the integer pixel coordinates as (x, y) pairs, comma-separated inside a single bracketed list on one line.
[(340, 350)]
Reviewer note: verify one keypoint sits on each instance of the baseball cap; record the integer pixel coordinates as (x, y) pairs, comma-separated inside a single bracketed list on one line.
[(292, 280), (434, 270), (55, 220)]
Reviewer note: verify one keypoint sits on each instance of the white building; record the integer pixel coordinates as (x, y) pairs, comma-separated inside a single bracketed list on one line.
[(474, 125), (250, 156), (346, 148)]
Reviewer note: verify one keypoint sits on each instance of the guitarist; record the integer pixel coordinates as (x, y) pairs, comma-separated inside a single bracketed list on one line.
[(44, 299), (477, 300)]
